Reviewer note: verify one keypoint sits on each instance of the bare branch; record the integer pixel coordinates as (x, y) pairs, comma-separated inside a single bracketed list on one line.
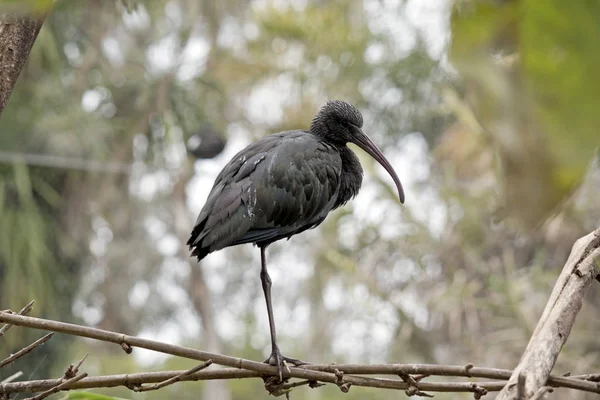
[(247, 368), (174, 379), (542, 392), (26, 350), (531, 378), (12, 377), (59, 387), (74, 370), (138, 379), (24, 311), (127, 380), (588, 377), (128, 341), (558, 318)]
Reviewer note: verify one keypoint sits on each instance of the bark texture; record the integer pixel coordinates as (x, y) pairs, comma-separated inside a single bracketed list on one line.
[(17, 35), (553, 329)]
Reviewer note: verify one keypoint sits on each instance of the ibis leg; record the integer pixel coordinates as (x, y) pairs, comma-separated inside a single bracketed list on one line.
[(275, 359)]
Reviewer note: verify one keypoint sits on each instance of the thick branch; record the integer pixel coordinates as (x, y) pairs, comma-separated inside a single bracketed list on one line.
[(558, 318), (17, 35)]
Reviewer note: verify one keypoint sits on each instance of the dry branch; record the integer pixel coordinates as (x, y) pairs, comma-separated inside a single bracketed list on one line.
[(176, 378), (324, 373), (62, 385), (531, 378), (338, 374), (25, 350), (24, 311), (558, 318), (11, 378), (138, 379)]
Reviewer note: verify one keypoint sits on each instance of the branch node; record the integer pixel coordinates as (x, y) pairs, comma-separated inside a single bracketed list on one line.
[(134, 387), (345, 387), (126, 346), (478, 391), (275, 387), (315, 384), (339, 375), (24, 311), (468, 369), (413, 388), (72, 371)]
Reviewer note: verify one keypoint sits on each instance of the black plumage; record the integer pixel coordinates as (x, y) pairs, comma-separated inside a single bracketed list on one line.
[(285, 184)]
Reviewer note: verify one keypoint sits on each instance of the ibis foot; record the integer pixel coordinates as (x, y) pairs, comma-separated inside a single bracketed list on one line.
[(280, 361)]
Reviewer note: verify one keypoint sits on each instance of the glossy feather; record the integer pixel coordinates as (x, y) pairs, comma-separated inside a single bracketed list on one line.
[(274, 188)]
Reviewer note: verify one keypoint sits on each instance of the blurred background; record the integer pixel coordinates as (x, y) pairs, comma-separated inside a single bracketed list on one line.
[(126, 112)]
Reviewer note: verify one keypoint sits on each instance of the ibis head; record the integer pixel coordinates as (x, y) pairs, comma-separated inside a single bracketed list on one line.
[(339, 122)]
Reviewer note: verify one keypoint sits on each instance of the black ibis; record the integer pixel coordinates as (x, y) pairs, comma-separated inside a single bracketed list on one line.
[(282, 185)]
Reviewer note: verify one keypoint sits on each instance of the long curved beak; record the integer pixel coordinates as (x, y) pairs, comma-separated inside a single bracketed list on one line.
[(362, 140)]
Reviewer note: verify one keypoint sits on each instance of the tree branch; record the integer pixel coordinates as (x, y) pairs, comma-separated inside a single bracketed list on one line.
[(137, 379), (334, 373), (531, 378), (62, 385), (25, 350), (24, 311), (558, 318), (17, 35), (176, 378)]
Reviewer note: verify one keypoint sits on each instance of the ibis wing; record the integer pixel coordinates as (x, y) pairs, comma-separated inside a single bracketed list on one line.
[(276, 187), (295, 188)]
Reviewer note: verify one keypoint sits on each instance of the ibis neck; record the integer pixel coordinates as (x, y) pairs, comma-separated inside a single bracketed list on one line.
[(351, 177)]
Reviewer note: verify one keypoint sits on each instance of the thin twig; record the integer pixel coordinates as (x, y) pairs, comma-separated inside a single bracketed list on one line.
[(12, 377), (26, 350), (24, 311), (174, 379), (542, 392), (59, 387), (128, 380), (74, 370), (588, 377)]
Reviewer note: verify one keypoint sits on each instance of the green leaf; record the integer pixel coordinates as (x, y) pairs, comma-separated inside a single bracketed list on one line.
[(80, 395)]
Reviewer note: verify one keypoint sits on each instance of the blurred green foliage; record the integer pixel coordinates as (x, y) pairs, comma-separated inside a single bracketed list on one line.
[(536, 99)]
